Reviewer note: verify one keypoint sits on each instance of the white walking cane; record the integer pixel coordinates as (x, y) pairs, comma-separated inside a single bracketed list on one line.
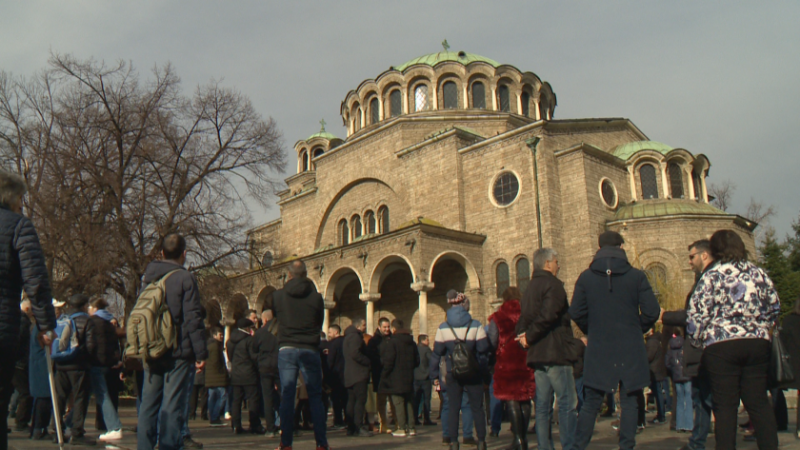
[(54, 396)]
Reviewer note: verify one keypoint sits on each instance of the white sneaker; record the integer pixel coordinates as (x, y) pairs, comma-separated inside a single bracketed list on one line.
[(113, 435), (400, 433), (227, 416), (413, 432)]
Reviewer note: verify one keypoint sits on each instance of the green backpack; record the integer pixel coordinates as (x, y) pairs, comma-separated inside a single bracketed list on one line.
[(150, 331)]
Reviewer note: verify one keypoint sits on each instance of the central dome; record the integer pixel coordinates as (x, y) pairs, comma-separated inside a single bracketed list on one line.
[(433, 59)]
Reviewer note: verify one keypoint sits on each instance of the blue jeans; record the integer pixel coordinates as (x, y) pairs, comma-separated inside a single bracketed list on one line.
[(292, 361), (186, 393), (164, 385), (701, 401), (216, 402), (558, 381), (661, 389), (683, 413), (100, 390), (495, 410), (466, 416), (579, 391)]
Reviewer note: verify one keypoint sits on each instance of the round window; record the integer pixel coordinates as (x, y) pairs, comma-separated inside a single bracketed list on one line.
[(609, 193), (505, 189)]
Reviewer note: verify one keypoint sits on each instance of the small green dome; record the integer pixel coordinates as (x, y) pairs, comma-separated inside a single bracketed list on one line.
[(322, 134), (625, 151), (664, 207), (435, 58)]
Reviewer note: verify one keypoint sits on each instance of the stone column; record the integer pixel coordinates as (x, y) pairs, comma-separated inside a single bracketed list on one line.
[(370, 299), (422, 287), (664, 180), (692, 193), (632, 179), (326, 322)]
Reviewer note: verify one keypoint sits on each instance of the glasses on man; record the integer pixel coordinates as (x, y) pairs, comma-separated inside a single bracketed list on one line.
[(692, 255)]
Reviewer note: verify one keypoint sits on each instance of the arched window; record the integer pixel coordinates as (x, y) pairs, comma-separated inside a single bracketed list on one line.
[(503, 98), (478, 95), (304, 156), (450, 92), (501, 278), (698, 194), (318, 152), (675, 180), (421, 98), (344, 233), (383, 219), (657, 276), (267, 259), (395, 103), (543, 109), (374, 111), (523, 274), (356, 227), (647, 177), (357, 120), (526, 104), (370, 222)]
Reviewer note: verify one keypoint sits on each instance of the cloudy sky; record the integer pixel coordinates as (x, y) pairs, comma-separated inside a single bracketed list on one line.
[(712, 77)]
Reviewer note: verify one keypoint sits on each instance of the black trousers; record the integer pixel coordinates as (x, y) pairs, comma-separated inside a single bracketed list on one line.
[(199, 393), (455, 392), (738, 370), (25, 402), (339, 402), (356, 402), (42, 414), (6, 389), (593, 401), (240, 395), (422, 396), (74, 383), (271, 399)]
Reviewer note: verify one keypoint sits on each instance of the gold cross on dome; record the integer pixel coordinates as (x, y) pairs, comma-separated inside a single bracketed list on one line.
[(322, 122), (445, 45)]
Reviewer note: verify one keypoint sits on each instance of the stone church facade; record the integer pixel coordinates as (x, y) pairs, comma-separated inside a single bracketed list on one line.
[(453, 172)]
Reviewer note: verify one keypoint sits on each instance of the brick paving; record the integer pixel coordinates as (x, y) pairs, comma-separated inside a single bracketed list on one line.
[(654, 437)]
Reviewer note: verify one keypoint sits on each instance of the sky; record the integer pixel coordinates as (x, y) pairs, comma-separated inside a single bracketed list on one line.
[(717, 78)]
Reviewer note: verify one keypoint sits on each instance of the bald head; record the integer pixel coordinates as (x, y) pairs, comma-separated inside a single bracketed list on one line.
[(297, 269)]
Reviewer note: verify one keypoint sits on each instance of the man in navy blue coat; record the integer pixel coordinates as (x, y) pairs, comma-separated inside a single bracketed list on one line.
[(613, 304)]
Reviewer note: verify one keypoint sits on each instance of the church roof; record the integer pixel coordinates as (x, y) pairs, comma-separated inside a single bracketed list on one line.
[(666, 207), (625, 151), (323, 134), (433, 59)]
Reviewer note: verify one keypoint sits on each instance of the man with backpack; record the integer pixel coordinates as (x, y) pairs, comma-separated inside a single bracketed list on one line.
[(72, 360), (168, 376), (463, 341)]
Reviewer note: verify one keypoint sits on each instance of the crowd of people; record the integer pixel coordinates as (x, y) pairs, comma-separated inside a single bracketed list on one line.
[(539, 356)]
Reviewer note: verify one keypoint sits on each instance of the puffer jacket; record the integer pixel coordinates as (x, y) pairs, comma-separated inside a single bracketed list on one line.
[(101, 340), (458, 320), (22, 266), (243, 354), (216, 372), (183, 300)]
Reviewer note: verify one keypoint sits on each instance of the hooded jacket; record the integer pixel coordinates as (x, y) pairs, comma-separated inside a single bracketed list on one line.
[(674, 361), (300, 310), (613, 304), (183, 300), (243, 355), (101, 340), (545, 321), (356, 362), (400, 358), (466, 329)]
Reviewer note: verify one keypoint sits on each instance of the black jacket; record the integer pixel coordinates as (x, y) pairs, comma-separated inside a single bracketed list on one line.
[(423, 372), (267, 344), (102, 343), (24, 348), (400, 357), (300, 310), (335, 361), (613, 304), (374, 346), (82, 360), (183, 300), (577, 366), (655, 356), (691, 355), (674, 361), (216, 371), (545, 321), (243, 355), (356, 362), (790, 337), (22, 267)]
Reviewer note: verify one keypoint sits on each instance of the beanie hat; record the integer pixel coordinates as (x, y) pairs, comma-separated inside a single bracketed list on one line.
[(78, 300), (456, 298), (610, 239), (244, 323)]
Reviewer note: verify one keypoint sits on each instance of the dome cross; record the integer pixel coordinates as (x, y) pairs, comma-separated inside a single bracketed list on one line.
[(322, 123), (446, 45)]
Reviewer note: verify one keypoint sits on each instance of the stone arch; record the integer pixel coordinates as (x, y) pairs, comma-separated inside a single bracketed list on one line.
[(235, 308), (473, 280), (334, 201), (450, 270), (392, 279), (264, 299), (344, 288)]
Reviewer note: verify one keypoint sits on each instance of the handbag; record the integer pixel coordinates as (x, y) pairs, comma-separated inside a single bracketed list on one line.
[(780, 374)]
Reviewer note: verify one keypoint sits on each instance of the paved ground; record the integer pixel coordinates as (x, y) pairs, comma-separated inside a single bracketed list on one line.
[(654, 437)]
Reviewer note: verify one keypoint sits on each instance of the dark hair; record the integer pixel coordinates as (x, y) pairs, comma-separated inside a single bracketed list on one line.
[(382, 320), (215, 330), (610, 239), (173, 246), (250, 311), (335, 327), (397, 324), (77, 301), (677, 332), (703, 245), (357, 322), (727, 246), (99, 303), (422, 337), (512, 293)]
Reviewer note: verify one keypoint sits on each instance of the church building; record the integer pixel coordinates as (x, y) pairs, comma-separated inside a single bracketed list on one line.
[(453, 171)]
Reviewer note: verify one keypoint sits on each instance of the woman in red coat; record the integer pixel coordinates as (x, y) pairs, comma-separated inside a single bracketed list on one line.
[(513, 381)]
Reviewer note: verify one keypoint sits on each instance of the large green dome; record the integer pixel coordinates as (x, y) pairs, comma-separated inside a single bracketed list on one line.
[(625, 151), (436, 58)]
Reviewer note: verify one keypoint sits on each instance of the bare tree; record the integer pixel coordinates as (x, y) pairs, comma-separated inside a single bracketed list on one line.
[(722, 193), (759, 213), (115, 163)]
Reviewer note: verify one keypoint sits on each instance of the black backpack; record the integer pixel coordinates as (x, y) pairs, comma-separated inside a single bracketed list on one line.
[(465, 367)]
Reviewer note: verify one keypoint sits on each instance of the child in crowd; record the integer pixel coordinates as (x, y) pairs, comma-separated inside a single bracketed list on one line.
[(683, 385)]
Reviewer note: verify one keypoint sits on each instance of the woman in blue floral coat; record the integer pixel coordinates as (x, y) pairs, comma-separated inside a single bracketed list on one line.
[(731, 313)]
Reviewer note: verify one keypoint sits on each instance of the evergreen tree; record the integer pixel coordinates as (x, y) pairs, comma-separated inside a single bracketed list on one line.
[(775, 260)]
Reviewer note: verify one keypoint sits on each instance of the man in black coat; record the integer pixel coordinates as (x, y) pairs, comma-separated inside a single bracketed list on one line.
[(658, 374), (335, 362), (613, 304), (544, 329), (243, 354), (382, 335), (356, 376), (422, 381), (400, 358), (22, 267), (299, 309), (267, 344), (700, 260)]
